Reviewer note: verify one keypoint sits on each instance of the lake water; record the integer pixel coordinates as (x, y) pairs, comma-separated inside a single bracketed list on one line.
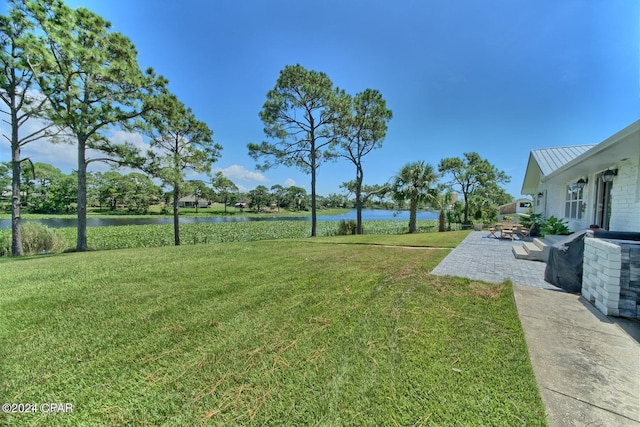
[(367, 215)]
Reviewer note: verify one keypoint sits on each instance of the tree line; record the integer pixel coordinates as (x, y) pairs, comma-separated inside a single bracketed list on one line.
[(309, 121), (67, 68), (47, 190), (81, 80)]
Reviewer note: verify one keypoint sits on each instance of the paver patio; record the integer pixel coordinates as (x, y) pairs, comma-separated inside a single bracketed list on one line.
[(586, 364), (486, 258)]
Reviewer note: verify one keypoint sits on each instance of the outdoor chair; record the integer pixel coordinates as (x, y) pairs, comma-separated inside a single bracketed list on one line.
[(524, 232), (507, 231), (493, 230)]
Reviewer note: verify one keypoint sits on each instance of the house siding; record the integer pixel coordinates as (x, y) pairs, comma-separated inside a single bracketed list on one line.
[(625, 200), (625, 195)]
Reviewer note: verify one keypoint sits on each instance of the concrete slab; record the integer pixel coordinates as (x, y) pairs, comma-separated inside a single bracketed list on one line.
[(586, 365)]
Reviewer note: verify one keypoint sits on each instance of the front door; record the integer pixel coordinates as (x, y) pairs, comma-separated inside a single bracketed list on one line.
[(603, 202)]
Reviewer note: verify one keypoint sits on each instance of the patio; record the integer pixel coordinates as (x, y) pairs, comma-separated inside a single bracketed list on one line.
[(489, 259), (585, 363)]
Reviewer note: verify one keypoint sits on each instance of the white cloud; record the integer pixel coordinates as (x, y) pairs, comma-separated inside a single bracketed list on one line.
[(121, 137), (65, 155), (62, 155), (289, 182), (240, 172)]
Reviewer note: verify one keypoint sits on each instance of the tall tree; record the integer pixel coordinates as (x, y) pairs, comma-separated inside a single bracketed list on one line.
[(299, 114), (224, 186), (20, 103), (139, 192), (414, 183), (362, 130), (45, 180), (441, 197), (108, 188), (296, 197), (91, 78), (470, 174), (260, 197), (278, 192), (180, 143)]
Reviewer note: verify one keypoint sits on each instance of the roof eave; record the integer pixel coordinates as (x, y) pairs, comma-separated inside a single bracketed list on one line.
[(604, 145)]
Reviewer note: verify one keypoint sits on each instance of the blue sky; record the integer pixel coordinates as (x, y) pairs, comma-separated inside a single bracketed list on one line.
[(497, 77)]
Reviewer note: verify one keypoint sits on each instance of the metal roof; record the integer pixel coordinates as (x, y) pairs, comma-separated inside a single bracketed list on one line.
[(552, 159), (564, 164)]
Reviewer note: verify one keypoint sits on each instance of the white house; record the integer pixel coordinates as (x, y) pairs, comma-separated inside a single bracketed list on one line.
[(589, 184), (517, 207), (190, 202), (599, 185)]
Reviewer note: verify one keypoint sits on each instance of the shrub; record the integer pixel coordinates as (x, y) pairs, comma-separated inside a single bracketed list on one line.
[(554, 225), (37, 238), (5, 243), (347, 227)]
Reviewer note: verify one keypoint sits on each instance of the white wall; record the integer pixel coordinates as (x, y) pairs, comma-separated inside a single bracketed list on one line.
[(625, 195), (625, 200)]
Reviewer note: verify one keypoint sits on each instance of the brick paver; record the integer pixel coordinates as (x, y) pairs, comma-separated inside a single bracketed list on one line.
[(483, 258)]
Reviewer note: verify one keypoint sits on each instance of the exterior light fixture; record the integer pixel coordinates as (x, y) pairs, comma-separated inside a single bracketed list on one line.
[(608, 175), (540, 195), (581, 183)]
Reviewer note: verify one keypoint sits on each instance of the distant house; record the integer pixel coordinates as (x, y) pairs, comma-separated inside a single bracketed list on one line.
[(517, 207), (190, 202), (589, 184)]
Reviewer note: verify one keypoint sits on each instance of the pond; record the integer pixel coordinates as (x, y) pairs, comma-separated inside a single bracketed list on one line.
[(367, 215)]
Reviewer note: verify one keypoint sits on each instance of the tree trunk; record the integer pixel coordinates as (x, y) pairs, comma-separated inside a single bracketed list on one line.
[(82, 196), (16, 232), (176, 217), (359, 177), (442, 226), (466, 209), (412, 215), (313, 192)]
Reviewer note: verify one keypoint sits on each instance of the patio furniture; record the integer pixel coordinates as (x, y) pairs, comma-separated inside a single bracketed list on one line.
[(523, 232), (503, 230), (507, 231), (493, 230)]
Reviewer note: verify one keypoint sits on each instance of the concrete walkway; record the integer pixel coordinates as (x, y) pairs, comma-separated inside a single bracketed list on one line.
[(587, 365)]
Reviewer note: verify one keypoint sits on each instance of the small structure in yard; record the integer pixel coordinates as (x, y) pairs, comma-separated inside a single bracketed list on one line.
[(517, 207)]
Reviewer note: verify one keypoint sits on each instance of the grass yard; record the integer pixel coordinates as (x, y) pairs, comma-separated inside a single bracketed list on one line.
[(286, 332)]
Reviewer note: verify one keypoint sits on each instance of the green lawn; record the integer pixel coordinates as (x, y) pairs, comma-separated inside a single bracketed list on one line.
[(286, 332)]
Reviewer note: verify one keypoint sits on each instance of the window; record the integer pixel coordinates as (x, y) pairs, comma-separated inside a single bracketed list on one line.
[(574, 204)]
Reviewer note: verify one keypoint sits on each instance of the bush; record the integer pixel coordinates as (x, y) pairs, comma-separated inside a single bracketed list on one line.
[(5, 243), (36, 238), (347, 227), (555, 226)]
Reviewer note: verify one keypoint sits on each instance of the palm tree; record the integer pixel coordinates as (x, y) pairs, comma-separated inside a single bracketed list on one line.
[(413, 183), (441, 198)]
